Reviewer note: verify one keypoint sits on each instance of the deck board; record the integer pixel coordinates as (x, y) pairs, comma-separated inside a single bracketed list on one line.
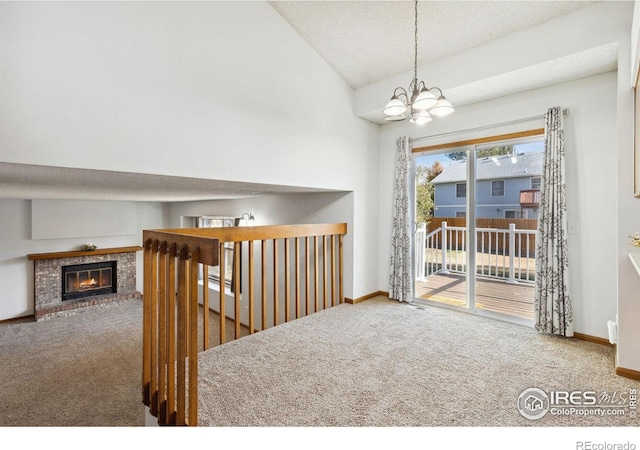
[(491, 295)]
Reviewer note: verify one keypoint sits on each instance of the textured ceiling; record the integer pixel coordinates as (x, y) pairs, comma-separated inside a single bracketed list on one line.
[(367, 41)]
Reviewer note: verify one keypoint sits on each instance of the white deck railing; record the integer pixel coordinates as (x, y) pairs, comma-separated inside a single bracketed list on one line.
[(506, 254)]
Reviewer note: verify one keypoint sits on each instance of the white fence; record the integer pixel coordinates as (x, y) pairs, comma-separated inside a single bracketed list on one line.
[(507, 254)]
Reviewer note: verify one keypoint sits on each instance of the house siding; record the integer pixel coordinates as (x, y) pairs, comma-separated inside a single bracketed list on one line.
[(487, 205)]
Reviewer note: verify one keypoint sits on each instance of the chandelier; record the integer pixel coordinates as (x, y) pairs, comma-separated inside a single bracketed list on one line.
[(423, 104)]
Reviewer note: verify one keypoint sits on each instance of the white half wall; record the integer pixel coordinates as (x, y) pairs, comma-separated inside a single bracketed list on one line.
[(592, 171)]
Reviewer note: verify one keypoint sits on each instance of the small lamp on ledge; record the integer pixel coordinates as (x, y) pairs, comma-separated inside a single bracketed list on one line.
[(247, 220)]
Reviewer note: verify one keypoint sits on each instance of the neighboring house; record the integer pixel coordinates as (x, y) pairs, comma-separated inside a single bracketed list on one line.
[(506, 187)]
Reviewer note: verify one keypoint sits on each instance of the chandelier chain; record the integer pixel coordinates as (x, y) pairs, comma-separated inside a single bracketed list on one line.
[(415, 48)]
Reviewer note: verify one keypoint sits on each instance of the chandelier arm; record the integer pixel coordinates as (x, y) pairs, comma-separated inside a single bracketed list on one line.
[(403, 91)]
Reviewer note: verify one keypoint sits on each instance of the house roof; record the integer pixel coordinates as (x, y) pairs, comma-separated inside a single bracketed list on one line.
[(494, 168)]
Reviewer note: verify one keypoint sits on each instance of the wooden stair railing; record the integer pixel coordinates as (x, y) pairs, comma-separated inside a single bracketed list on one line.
[(172, 297)]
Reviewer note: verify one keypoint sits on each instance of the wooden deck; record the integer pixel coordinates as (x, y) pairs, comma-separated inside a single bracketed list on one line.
[(491, 295)]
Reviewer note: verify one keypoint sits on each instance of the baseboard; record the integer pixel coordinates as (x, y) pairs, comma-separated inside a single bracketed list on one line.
[(628, 373), (29, 318), (353, 301), (594, 339)]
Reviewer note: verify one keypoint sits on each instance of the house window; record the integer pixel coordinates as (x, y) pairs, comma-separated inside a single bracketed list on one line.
[(461, 214), (497, 188), (461, 189), (536, 182), (510, 214), (214, 271)]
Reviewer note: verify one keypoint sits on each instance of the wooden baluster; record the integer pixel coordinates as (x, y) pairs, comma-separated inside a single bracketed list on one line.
[(325, 277), (264, 284), (223, 304), (237, 248), (162, 335), (287, 281), (205, 307), (340, 270), (276, 299), (333, 270), (251, 287), (172, 333), (297, 272), (154, 330), (315, 273), (182, 335), (193, 341), (146, 325), (306, 277)]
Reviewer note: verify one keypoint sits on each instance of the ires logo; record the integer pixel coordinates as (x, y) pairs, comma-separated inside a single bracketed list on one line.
[(573, 398), (534, 403)]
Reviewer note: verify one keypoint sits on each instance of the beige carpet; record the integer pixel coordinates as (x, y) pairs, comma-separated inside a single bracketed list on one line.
[(80, 370), (381, 363), (377, 363), (83, 370)]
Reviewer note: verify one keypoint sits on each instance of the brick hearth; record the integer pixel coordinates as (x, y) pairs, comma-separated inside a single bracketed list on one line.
[(48, 280)]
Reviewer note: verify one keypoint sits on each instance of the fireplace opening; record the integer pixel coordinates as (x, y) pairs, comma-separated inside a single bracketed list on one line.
[(87, 280)]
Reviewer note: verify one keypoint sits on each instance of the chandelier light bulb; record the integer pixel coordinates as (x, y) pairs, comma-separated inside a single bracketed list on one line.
[(425, 100), (442, 108), (395, 107), (420, 117)]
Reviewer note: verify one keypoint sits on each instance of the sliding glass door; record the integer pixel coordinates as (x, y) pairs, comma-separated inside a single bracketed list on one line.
[(476, 214), (506, 202)]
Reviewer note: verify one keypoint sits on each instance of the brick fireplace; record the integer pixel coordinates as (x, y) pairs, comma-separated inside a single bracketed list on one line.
[(67, 281)]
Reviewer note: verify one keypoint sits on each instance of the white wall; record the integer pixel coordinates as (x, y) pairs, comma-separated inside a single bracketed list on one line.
[(218, 90), (81, 218), (16, 271), (592, 170)]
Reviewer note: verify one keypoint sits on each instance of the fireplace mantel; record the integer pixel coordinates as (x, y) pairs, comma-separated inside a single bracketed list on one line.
[(71, 254)]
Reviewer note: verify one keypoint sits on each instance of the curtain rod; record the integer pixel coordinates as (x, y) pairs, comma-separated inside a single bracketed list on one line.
[(565, 112)]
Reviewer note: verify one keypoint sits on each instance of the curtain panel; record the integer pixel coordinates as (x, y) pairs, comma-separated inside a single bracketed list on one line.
[(400, 276), (552, 305)]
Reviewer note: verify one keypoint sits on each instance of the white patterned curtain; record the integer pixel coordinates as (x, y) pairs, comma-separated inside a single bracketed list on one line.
[(400, 278), (553, 313)]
